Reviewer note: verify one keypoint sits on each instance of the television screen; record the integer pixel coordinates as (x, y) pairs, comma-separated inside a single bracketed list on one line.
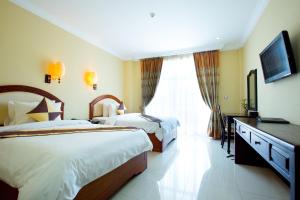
[(277, 58)]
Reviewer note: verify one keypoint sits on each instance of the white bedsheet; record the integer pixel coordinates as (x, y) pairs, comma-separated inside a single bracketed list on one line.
[(58, 166), (135, 119)]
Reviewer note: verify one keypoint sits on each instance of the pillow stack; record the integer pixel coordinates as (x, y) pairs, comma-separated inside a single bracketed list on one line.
[(112, 109), (17, 111)]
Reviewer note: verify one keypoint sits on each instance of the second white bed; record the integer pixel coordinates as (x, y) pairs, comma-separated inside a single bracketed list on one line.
[(161, 130)]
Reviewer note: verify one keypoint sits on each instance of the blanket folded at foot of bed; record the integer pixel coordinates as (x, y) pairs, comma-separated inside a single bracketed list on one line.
[(152, 119)]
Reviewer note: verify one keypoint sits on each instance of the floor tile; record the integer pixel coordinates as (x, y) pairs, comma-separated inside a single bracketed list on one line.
[(195, 168)]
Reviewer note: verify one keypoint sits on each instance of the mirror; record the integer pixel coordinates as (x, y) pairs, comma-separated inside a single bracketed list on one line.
[(252, 90)]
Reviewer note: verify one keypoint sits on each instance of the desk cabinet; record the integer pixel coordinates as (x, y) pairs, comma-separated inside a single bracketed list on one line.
[(260, 144), (276, 144)]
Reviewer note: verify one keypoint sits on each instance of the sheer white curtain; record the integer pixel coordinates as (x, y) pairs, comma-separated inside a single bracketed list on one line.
[(178, 95)]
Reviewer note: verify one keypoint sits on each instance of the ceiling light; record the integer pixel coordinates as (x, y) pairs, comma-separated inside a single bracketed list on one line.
[(218, 38), (152, 14)]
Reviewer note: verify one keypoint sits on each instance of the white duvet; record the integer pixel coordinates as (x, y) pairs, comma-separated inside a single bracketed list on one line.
[(58, 166), (168, 124)]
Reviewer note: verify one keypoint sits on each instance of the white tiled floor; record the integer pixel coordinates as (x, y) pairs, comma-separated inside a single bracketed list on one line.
[(196, 168)]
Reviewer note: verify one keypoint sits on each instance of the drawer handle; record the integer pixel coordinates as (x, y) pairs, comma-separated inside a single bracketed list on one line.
[(243, 131), (256, 142)]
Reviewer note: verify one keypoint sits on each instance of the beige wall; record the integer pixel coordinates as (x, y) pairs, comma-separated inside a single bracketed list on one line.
[(230, 83), (281, 98), (132, 86), (230, 89), (28, 43)]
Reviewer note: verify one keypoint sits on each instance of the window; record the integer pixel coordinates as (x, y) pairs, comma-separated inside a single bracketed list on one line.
[(178, 95)]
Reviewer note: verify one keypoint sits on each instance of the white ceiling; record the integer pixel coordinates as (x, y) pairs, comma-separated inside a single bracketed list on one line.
[(125, 29)]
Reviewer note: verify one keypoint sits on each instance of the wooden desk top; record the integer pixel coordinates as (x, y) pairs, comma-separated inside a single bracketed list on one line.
[(289, 133), (235, 114)]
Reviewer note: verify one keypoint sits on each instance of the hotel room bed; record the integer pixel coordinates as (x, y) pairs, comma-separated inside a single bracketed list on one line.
[(160, 131), (67, 159)]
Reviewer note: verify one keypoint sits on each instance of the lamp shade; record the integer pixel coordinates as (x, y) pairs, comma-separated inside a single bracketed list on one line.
[(90, 78), (56, 70)]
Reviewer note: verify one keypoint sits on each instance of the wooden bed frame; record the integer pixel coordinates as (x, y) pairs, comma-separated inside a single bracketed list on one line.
[(33, 90), (101, 188), (158, 146)]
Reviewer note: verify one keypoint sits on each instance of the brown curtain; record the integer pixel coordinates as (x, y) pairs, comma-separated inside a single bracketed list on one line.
[(206, 64), (151, 69)]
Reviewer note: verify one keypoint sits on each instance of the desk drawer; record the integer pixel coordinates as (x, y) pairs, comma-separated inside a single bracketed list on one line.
[(260, 145), (280, 158), (245, 133), (237, 127)]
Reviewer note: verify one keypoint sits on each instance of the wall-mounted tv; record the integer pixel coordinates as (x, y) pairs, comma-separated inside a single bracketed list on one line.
[(277, 58)]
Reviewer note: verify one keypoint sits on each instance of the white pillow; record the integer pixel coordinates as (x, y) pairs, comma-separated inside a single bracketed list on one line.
[(57, 108), (98, 109), (11, 110), (105, 109), (112, 109), (20, 112), (6, 121)]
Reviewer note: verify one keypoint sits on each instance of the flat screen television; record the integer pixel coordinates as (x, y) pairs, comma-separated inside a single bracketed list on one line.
[(277, 59)]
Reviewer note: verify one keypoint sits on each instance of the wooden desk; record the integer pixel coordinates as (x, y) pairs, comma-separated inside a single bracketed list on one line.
[(229, 120), (275, 144)]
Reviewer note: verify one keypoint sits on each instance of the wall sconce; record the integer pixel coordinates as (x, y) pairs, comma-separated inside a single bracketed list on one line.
[(91, 79), (55, 72)]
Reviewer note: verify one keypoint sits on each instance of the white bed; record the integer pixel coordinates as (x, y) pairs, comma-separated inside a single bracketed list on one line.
[(160, 130), (160, 133), (58, 166), (92, 162)]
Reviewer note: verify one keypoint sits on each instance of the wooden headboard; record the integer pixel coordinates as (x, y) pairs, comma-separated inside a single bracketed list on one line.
[(33, 90), (98, 99)]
